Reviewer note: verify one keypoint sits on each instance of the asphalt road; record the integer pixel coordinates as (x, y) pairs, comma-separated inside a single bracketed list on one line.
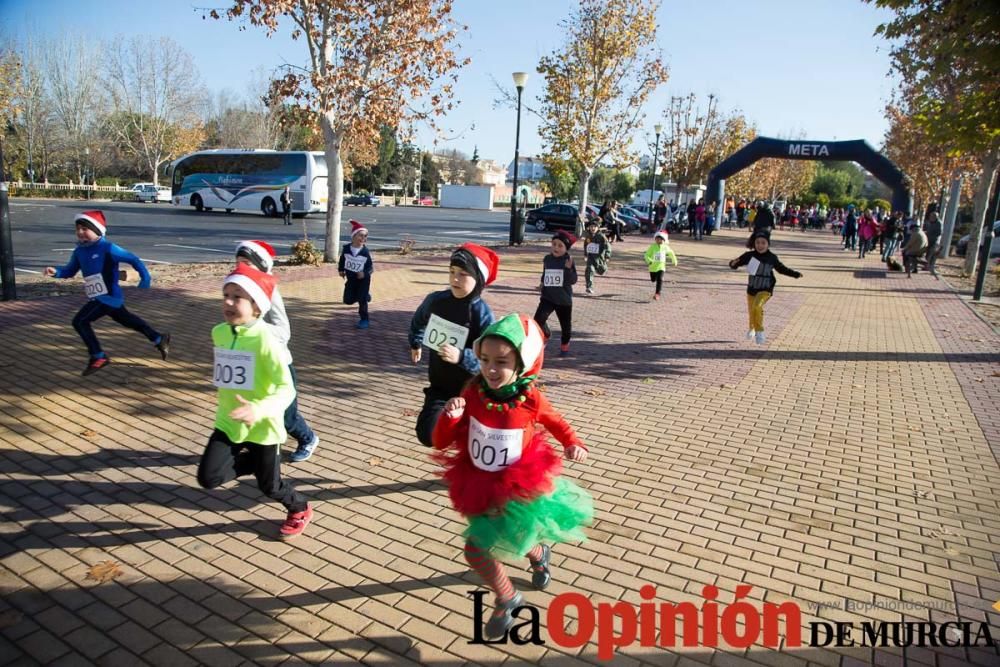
[(161, 234)]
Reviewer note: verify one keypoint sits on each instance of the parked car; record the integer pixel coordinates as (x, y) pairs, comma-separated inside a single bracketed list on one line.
[(962, 246), (362, 200), (554, 216), (641, 216), (139, 186), (153, 193), (426, 200)]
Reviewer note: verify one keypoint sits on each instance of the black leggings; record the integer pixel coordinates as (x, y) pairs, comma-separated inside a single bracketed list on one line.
[(657, 277), (224, 461), (434, 401), (564, 313)]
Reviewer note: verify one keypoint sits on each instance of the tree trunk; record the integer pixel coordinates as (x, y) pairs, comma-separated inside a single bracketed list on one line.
[(335, 187), (581, 218), (980, 207)]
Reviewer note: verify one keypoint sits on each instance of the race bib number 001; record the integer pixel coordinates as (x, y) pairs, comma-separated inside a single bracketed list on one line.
[(354, 264), (494, 449), (440, 332), (233, 369), (94, 286), (553, 278), (593, 248)]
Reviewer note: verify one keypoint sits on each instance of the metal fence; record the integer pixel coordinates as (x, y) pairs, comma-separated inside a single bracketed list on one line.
[(21, 185)]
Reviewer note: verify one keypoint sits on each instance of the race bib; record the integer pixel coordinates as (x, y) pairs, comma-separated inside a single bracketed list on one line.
[(593, 248), (354, 264), (494, 449), (752, 266), (94, 286), (440, 332), (659, 257), (233, 369), (553, 278)]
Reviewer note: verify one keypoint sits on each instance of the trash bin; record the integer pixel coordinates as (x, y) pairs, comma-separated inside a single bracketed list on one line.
[(519, 224)]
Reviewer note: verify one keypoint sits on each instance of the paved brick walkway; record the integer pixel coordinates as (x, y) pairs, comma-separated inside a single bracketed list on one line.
[(848, 462)]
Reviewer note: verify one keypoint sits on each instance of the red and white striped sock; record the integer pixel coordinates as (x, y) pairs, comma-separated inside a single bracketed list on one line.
[(536, 554), (492, 571)]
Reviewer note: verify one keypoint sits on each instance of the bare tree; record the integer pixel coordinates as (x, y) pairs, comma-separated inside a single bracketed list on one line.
[(156, 96), (70, 63), (35, 111)]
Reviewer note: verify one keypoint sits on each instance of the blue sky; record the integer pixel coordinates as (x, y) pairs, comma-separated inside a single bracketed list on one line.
[(790, 65)]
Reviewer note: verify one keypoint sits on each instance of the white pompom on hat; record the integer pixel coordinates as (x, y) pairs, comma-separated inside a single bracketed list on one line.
[(93, 220)]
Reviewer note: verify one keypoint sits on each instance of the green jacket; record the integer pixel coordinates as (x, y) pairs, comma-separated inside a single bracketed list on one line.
[(272, 389), (659, 263)]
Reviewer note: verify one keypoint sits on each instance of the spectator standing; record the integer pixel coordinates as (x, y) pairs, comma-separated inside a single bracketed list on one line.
[(933, 232)]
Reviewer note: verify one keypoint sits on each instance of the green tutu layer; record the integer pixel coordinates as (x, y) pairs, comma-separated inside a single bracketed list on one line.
[(513, 531)]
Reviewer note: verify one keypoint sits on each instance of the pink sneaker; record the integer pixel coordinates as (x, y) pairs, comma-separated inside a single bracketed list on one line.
[(295, 523)]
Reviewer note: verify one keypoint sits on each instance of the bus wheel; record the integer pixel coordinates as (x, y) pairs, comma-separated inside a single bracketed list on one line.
[(268, 208), (229, 210), (197, 203)]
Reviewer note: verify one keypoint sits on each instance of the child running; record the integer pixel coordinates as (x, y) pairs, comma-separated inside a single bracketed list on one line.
[(255, 387), (558, 278), (656, 258), (761, 264), (502, 474), (598, 252), (356, 267), (447, 323), (98, 259), (260, 255)]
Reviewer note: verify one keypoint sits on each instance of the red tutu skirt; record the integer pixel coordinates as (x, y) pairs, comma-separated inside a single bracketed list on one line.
[(474, 491)]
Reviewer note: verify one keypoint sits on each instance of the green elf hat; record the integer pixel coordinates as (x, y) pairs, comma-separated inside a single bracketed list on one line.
[(525, 335)]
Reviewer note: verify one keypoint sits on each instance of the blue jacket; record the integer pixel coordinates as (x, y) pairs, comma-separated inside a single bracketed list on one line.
[(102, 258)]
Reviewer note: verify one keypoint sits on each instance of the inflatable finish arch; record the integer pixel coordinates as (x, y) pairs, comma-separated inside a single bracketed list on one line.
[(850, 151)]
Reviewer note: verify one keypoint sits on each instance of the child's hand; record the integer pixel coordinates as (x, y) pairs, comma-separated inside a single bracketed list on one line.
[(569, 262), (361, 275), (244, 413), (342, 274), (450, 353), (50, 271), (798, 275), (575, 453), (732, 264), (455, 407), (416, 354)]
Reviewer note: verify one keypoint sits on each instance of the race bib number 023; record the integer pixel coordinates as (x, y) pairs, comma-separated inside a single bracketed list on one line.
[(94, 286), (440, 332), (233, 369), (553, 278), (494, 449), (354, 264)]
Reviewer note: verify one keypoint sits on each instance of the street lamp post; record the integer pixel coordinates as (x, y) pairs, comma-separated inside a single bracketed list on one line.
[(86, 164), (520, 78), (652, 179)]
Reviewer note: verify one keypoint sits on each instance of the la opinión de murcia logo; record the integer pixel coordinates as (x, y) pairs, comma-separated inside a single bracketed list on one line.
[(739, 624)]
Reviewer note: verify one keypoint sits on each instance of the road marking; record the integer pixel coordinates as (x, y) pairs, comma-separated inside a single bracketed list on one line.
[(26, 270), (63, 249), (155, 261), (464, 231), (20, 204), (191, 247)]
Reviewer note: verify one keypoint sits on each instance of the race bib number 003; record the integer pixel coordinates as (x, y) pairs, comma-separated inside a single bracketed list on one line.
[(593, 248), (494, 449), (354, 264), (233, 369), (553, 278), (94, 286), (440, 332)]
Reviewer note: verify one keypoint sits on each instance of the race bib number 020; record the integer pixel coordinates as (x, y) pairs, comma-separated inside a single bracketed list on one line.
[(233, 369), (440, 332), (94, 286), (494, 449), (354, 264), (553, 278)]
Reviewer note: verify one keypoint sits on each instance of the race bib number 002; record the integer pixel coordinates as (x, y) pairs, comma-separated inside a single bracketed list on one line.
[(440, 332), (553, 278), (233, 369), (94, 286), (354, 264), (494, 449)]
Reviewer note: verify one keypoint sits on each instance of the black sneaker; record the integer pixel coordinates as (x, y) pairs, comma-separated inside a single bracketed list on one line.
[(164, 345), (503, 617), (540, 575)]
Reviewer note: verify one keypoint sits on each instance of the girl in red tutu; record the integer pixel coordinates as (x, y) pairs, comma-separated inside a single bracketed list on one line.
[(502, 474)]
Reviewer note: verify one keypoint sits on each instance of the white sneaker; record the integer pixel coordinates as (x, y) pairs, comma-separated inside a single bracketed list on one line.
[(750, 334), (760, 338), (590, 290)]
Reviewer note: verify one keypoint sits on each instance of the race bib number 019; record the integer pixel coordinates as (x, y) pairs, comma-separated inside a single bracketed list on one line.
[(440, 332), (233, 369), (354, 264), (494, 449), (553, 278), (593, 248), (94, 286)]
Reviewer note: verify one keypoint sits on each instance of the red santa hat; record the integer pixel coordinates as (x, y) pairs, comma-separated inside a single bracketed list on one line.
[(484, 260), (567, 239), (662, 235), (93, 220), (357, 228), (257, 284), (260, 253)]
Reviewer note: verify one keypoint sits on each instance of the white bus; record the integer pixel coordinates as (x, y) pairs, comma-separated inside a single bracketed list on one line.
[(250, 180)]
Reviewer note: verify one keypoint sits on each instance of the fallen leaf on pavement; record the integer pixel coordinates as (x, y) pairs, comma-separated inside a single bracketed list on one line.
[(647, 380), (105, 571), (409, 412), (10, 617), (374, 461), (726, 386), (594, 392), (89, 434)]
